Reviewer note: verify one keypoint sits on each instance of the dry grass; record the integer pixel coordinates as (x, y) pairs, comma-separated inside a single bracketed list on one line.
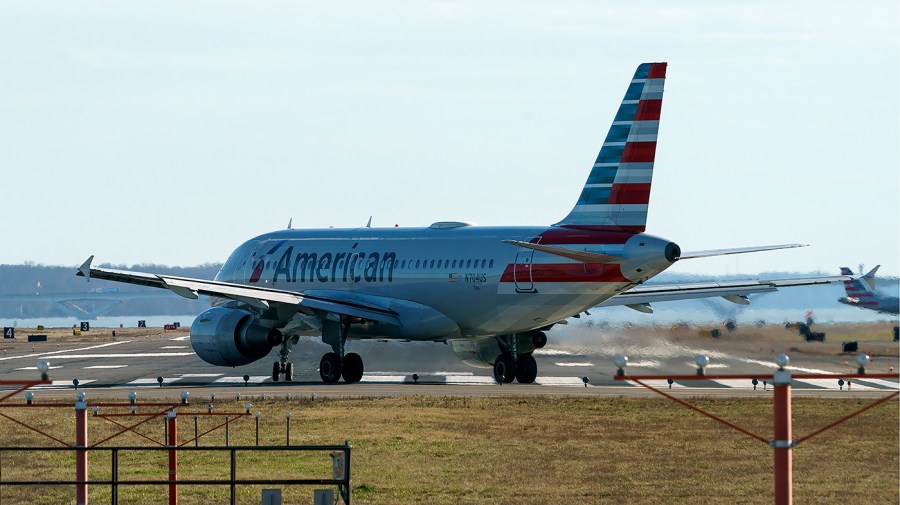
[(502, 450)]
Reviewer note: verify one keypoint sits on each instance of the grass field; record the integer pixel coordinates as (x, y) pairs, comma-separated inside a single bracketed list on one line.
[(499, 450)]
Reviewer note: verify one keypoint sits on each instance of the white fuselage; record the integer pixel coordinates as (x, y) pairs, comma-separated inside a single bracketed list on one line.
[(466, 273)]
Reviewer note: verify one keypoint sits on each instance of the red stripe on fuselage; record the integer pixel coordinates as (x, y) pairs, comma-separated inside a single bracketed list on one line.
[(567, 272), (648, 110), (639, 152), (629, 194)]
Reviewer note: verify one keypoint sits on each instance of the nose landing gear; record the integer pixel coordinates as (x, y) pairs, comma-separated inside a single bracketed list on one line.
[(283, 366)]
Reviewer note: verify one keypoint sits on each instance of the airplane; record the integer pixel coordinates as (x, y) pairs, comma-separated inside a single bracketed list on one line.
[(491, 293), (864, 296)]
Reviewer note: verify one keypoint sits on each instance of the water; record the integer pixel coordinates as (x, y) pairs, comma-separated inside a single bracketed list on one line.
[(100, 322)]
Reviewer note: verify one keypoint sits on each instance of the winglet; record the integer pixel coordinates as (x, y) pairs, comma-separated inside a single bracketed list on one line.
[(85, 269), (870, 277)]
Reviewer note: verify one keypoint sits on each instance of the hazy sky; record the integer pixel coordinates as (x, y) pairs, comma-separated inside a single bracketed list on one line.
[(170, 132)]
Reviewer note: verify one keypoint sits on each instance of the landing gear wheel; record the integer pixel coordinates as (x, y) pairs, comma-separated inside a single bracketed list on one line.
[(288, 372), (276, 371), (352, 368), (330, 368), (504, 369), (526, 369)]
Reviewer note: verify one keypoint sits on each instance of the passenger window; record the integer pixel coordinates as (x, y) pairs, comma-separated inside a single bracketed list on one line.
[(439, 264), (432, 263), (483, 262), (454, 263), (417, 263), (468, 263), (403, 264), (491, 264)]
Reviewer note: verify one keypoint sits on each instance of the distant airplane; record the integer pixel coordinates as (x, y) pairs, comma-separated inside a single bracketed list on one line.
[(489, 292), (864, 296)]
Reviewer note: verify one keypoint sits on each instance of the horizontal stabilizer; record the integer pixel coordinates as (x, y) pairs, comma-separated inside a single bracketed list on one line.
[(733, 291), (583, 256), (736, 250)]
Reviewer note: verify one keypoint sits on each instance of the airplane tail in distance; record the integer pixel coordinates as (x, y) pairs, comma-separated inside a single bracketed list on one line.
[(855, 287), (617, 191)]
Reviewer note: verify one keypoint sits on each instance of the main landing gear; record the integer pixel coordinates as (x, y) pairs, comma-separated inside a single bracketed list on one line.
[(511, 365), (283, 366), (335, 365), (508, 369)]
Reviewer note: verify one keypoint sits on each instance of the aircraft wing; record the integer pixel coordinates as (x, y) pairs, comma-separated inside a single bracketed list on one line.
[(257, 297), (640, 297)]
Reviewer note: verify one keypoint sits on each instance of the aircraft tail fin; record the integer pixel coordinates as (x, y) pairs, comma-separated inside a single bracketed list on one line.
[(617, 191)]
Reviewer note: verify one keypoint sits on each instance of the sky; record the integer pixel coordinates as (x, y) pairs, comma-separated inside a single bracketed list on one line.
[(170, 132)]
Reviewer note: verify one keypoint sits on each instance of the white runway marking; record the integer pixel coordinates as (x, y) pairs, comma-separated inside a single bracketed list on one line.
[(174, 347), (468, 379), (657, 383), (738, 383), (386, 379), (585, 363), (187, 375), (817, 383), (102, 366), (254, 379), (881, 382), (555, 352), (126, 355), (647, 363), (152, 382), (64, 384), (559, 381), (181, 339), (35, 368), (54, 353), (691, 364)]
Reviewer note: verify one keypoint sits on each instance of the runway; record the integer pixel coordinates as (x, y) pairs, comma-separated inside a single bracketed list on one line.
[(112, 367)]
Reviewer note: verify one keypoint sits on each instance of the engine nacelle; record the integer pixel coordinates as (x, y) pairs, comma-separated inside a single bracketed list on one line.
[(231, 337)]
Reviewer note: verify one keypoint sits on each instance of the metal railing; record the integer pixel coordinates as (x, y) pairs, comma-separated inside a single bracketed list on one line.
[(340, 479)]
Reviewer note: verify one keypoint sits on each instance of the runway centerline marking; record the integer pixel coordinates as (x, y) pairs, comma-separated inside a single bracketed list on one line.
[(102, 366)]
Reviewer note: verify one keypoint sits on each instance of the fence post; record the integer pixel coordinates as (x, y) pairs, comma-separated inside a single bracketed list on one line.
[(171, 423), (81, 462), (115, 477), (783, 442)]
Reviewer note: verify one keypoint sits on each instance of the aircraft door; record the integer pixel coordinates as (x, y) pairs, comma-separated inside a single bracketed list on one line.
[(522, 271)]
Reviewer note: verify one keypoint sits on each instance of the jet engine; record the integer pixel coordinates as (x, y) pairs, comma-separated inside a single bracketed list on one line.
[(231, 337)]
